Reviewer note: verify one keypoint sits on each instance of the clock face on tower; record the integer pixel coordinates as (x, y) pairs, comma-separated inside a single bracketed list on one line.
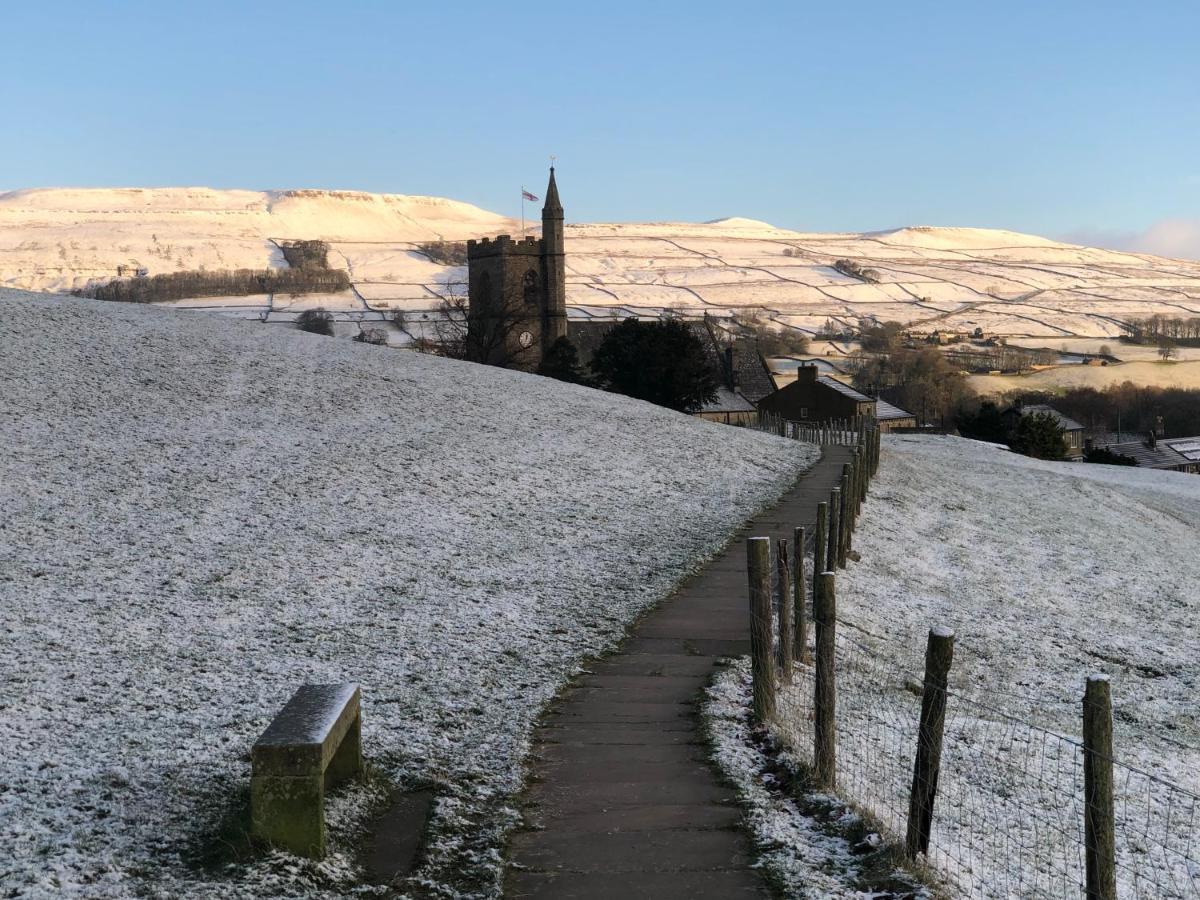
[(525, 338)]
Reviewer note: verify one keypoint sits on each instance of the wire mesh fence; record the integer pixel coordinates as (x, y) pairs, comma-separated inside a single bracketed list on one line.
[(1008, 819)]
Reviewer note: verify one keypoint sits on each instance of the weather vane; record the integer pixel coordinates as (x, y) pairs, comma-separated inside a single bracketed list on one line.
[(552, 159)]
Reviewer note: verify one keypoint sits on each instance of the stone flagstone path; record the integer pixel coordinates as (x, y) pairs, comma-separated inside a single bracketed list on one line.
[(623, 800)]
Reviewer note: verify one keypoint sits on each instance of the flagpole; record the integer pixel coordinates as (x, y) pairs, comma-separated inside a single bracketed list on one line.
[(522, 212)]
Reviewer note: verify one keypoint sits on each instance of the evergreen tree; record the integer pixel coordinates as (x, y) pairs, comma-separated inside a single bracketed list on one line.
[(663, 362), (1039, 435), (561, 361)]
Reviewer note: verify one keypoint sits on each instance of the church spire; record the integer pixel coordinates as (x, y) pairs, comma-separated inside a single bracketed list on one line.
[(553, 205)]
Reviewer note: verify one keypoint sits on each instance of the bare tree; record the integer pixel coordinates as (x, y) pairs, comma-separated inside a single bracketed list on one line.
[(491, 336)]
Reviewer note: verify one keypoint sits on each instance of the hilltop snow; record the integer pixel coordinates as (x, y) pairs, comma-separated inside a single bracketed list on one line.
[(202, 514), (930, 278)]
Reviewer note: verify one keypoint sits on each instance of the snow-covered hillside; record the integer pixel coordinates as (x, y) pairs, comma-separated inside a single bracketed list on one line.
[(1047, 572), (931, 278), (201, 514)]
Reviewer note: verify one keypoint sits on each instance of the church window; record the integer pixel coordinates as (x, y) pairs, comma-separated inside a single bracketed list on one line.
[(529, 287)]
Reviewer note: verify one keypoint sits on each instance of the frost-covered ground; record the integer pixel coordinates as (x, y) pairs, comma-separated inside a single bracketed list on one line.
[(809, 845), (1047, 572), (201, 514), (1024, 287)]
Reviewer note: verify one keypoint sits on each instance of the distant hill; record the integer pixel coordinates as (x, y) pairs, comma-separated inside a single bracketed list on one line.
[(932, 278)]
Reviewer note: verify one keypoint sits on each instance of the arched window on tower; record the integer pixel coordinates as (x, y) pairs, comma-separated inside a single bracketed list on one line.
[(530, 289), (484, 290)]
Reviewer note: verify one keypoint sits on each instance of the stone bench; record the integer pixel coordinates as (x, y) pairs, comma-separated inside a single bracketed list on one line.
[(314, 743)]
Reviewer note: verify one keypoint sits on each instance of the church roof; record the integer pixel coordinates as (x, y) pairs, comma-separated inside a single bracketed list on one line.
[(553, 204)]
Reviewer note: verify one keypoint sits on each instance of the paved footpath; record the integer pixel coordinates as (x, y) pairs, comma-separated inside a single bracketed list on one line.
[(627, 801)]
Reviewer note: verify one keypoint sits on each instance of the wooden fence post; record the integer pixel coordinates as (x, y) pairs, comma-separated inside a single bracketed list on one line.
[(820, 548), (825, 691), (835, 525), (846, 516), (786, 646), (1098, 811), (799, 593), (939, 653), (847, 483), (762, 666)]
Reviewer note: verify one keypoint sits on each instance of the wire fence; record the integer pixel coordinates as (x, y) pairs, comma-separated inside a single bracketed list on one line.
[(1008, 819)]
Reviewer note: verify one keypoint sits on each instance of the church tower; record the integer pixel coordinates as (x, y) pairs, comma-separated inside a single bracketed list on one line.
[(554, 267), (517, 293)]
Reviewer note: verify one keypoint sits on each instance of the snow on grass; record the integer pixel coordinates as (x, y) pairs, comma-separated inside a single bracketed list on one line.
[(802, 855), (59, 239), (202, 514), (1047, 572)]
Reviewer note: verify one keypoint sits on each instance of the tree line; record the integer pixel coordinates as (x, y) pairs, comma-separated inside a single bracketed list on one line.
[(224, 283), (1157, 329)]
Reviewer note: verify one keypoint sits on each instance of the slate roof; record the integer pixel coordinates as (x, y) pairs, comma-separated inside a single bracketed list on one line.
[(842, 388), (1065, 422), (885, 412), (727, 401), (1169, 453)]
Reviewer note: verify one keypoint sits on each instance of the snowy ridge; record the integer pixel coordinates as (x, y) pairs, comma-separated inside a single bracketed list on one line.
[(201, 514), (930, 278)]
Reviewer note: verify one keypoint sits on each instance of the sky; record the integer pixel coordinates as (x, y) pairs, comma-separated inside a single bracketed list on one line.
[(1068, 119)]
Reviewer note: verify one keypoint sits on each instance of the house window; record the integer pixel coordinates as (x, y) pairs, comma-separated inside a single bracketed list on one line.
[(804, 412)]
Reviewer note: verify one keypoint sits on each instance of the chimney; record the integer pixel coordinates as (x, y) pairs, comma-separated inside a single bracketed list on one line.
[(807, 374)]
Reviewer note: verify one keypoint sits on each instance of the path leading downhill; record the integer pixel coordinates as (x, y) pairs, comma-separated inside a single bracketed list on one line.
[(624, 801)]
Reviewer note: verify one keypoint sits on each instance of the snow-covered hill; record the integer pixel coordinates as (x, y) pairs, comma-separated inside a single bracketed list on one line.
[(932, 278), (200, 514)]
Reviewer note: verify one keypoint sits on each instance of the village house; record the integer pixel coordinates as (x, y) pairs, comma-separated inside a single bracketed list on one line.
[(1167, 454), (1072, 430), (816, 398)]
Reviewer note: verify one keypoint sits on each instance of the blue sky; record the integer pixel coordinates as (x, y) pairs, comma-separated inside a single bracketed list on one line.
[(1057, 118)]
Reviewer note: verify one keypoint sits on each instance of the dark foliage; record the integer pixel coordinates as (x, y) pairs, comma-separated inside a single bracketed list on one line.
[(884, 337), (228, 283), (983, 423), (445, 253), (1158, 329), (1106, 457), (920, 381), (561, 361), (663, 362), (306, 254), (315, 321), (1039, 435), (375, 336), (1172, 412)]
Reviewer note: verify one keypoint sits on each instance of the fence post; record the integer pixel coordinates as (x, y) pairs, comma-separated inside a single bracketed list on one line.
[(758, 569), (825, 691), (847, 483), (786, 645), (1098, 811), (939, 653), (820, 549), (835, 525), (799, 592)]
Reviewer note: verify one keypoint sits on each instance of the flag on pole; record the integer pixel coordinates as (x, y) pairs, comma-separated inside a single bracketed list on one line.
[(525, 195)]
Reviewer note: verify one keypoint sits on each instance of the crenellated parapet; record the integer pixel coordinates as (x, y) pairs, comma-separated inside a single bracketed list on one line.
[(503, 245)]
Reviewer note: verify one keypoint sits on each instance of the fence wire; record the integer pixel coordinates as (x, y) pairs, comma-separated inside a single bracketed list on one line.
[(1008, 819)]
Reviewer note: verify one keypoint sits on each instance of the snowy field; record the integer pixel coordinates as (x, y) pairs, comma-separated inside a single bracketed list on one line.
[(1023, 287), (201, 514), (1047, 572)]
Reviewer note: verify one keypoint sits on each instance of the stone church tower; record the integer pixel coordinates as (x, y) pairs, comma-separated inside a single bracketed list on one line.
[(517, 293)]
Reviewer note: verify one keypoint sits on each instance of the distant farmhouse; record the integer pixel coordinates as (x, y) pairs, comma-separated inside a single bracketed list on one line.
[(1072, 430), (518, 292), (816, 398)]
